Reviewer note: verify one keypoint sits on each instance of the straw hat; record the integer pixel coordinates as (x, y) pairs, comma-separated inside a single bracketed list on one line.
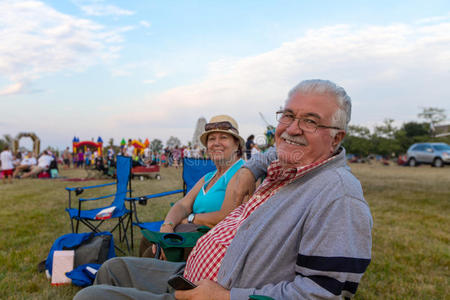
[(219, 119)]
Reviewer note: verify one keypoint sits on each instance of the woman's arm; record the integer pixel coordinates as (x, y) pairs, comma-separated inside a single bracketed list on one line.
[(240, 188), (229, 203), (182, 208)]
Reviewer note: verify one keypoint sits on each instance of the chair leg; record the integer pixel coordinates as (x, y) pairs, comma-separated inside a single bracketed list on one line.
[(125, 227), (132, 234), (121, 226), (71, 224), (91, 226), (120, 230), (120, 250)]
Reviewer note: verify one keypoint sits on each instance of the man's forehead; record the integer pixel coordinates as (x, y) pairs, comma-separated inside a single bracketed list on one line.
[(311, 104), (304, 114)]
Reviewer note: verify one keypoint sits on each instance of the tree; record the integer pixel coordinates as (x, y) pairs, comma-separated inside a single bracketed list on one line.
[(3, 145), (357, 140), (156, 145), (6, 141), (383, 139), (387, 130), (359, 131), (433, 114), (413, 129), (412, 132), (357, 145), (172, 142)]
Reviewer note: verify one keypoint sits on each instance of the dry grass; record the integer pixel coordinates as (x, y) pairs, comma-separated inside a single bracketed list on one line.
[(410, 206), (33, 216), (411, 252)]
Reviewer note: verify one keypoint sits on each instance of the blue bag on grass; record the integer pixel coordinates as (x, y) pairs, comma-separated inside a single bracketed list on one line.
[(83, 275), (90, 248)]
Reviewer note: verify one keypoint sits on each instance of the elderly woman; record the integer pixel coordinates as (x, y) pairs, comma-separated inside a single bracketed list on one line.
[(204, 204)]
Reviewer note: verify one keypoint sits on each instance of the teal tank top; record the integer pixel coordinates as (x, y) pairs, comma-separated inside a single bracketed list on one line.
[(213, 199)]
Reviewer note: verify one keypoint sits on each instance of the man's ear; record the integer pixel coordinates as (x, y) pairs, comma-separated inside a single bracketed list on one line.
[(338, 138)]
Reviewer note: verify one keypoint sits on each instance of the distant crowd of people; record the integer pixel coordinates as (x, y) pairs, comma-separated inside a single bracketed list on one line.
[(27, 164), (24, 165)]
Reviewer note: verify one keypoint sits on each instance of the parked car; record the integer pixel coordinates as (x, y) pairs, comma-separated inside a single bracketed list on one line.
[(436, 154)]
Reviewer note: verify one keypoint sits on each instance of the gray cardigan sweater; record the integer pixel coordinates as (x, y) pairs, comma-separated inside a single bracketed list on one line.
[(312, 239)]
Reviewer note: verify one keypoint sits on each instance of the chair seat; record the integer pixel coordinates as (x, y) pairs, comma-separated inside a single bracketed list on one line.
[(91, 213), (151, 226)]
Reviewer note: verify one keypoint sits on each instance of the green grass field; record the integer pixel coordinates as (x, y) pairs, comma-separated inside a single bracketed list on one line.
[(410, 207)]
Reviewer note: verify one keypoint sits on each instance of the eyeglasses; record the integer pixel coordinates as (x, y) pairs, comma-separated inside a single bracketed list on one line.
[(305, 124), (225, 125)]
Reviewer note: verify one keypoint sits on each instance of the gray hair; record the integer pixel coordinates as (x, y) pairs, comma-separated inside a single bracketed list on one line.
[(319, 86)]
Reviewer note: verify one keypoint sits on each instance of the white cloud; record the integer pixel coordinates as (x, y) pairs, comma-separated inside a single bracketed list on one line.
[(145, 24), (433, 19), (389, 71), (46, 41), (98, 8), (14, 88), (117, 72), (161, 74)]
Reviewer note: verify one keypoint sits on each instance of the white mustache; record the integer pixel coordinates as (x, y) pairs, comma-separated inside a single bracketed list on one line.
[(298, 139)]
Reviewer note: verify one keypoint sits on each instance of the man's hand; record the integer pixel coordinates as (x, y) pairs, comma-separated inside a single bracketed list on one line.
[(162, 256), (205, 290), (242, 186)]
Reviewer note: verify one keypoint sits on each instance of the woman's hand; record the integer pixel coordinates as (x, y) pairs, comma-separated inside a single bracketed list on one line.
[(167, 228)]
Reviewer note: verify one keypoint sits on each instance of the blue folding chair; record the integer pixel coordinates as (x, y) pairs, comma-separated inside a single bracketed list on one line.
[(94, 218), (193, 170)]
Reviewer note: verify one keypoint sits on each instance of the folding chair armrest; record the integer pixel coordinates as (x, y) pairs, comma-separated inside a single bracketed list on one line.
[(89, 187), (96, 198), (146, 197), (101, 197), (143, 200)]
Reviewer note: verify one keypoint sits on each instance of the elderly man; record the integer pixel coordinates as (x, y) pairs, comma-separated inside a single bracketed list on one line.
[(304, 234)]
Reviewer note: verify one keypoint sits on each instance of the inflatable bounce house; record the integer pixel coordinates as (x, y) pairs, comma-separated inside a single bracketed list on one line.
[(77, 145), (138, 146)]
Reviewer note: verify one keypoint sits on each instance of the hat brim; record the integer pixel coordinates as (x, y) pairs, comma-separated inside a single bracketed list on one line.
[(204, 136)]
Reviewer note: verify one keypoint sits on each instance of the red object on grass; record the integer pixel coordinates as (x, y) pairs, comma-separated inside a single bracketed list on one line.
[(44, 174), (146, 171)]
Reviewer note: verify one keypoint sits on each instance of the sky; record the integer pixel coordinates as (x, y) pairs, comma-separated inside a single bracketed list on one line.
[(150, 69)]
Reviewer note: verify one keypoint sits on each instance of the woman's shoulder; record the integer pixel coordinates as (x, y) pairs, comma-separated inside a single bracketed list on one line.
[(233, 169)]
